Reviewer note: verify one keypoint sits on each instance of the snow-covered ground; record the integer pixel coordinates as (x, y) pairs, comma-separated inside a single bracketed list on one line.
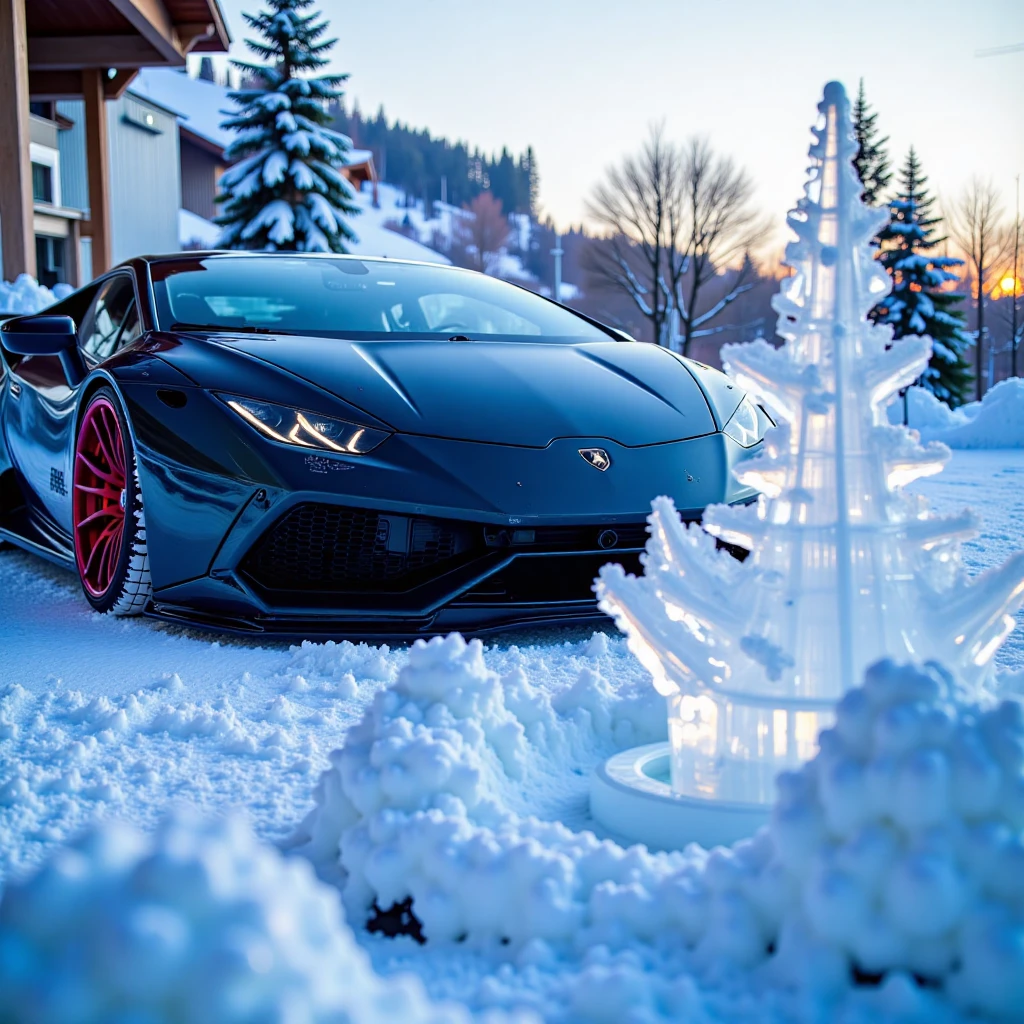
[(102, 718)]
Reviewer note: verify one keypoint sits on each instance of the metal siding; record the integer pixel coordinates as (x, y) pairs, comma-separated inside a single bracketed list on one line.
[(145, 179), (198, 180), (74, 179)]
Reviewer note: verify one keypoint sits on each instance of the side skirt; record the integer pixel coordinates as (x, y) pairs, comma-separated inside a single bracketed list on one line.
[(20, 529)]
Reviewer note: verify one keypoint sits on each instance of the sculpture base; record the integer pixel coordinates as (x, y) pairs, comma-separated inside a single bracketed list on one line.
[(631, 796)]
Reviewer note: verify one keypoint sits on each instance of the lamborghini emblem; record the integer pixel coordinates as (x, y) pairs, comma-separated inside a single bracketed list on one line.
[(597, 457)]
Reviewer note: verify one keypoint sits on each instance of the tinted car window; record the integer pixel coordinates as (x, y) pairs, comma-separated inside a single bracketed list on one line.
[(100, 332), (357, 299), (131, 328)]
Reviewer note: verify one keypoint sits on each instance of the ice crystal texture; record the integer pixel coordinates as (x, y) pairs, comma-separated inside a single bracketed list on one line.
[(845, 567)]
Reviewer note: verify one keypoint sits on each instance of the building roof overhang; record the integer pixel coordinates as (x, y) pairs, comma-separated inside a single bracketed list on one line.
[(66, 37)]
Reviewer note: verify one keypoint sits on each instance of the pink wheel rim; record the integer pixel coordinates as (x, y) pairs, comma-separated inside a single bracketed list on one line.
[(98, 502)]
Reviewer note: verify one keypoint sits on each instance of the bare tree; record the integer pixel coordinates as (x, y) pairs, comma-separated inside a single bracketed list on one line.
[(723, 227), (676, 217), (975, 224), (640, 202), (482, 234)]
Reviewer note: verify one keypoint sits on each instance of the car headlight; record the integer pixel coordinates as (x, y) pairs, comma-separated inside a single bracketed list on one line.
[(305, 429), (748, 424)]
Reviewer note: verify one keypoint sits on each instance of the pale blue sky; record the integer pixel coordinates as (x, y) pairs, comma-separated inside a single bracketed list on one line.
[(581, 80)]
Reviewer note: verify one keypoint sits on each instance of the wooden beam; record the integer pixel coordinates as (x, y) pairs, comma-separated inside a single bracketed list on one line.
[(55, 85), (97, 158), (192, 35), (67, 85), (113, 88), (17, 236), (72, 53), (151, 20), (220, 39)]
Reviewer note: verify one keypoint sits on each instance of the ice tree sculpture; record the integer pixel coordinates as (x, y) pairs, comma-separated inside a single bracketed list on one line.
[(845, 567)]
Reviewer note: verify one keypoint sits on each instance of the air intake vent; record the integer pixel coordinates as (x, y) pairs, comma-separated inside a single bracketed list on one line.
[(328, 548)]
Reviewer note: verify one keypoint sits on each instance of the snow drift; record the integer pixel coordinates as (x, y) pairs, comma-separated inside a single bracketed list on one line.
[(26, 295), (997, 421), (896, 854), (196, 923)]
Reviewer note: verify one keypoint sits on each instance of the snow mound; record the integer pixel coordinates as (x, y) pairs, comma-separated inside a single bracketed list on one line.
[(196, 923), (997, 421), (901, 845), (897, 852), (426, 799), (26, 295)]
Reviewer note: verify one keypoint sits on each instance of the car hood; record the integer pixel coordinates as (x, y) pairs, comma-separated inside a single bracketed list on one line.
[(500, 392)]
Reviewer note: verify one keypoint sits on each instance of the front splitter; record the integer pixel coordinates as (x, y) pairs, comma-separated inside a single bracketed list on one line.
[(321, 629)]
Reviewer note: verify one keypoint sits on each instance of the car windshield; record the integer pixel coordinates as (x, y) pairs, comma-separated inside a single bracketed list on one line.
[(345, 297)]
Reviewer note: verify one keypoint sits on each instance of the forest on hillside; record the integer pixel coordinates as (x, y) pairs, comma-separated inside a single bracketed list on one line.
[(434, 169)]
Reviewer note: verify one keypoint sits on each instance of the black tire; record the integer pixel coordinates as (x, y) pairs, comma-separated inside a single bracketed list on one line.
[(126, 588)]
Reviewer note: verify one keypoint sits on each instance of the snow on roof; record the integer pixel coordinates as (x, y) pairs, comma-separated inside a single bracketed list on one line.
[(194, 229), (199, 104)]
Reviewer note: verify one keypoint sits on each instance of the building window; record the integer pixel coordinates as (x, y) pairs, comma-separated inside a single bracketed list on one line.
[(43, 108), (51, 266), (42, 183)]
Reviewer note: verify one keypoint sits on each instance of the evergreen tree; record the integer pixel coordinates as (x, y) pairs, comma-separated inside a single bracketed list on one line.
[(528, 166), (872, 159), (285, 190), (919, 303)]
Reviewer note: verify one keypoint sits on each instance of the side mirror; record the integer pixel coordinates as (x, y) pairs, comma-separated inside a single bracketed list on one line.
[(45, 335)]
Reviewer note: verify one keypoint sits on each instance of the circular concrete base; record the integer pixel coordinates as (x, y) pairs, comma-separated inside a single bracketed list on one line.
[(630, 795)]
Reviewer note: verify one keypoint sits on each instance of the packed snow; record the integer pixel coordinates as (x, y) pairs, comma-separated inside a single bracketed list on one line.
[(997, 421), (897, 852), (196, 922), (103, 719), (26, 295)]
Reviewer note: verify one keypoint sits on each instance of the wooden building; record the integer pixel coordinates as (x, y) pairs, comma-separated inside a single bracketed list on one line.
[(87, 50)]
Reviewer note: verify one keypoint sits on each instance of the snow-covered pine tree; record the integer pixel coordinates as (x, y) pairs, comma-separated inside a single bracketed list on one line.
[(872, 159), (919, 303), (285, 190)]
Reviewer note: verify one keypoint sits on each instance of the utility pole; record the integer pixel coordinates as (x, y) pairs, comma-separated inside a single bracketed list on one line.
[(558, 252)]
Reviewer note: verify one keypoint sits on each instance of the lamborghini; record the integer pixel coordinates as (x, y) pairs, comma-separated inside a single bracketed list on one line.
[(316, 445)]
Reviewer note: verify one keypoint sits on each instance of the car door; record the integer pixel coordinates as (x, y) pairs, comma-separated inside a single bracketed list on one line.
[(40, 419)]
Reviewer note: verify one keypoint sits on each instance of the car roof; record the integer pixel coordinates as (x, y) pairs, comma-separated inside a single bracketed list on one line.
[(193, 254)]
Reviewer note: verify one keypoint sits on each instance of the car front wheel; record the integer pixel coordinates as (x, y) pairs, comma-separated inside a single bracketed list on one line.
[(109, 522)]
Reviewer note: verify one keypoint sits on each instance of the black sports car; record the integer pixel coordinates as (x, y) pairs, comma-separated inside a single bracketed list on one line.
[(317, 445)]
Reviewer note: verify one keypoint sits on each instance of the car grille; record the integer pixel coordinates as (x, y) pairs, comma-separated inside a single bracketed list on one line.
[(330, 548), (550, 580)]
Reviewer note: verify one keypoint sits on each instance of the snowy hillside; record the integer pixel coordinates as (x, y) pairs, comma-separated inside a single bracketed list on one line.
[(373, 237), (387, 228)]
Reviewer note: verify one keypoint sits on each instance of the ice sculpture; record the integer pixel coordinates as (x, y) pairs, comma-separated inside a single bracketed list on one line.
[(845, 567)]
